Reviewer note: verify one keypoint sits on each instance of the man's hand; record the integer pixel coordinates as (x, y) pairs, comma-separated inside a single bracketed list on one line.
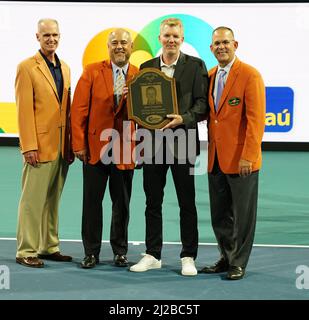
[(125, 92), (177, 120), (82, 155), (244, 167), (32, 157)]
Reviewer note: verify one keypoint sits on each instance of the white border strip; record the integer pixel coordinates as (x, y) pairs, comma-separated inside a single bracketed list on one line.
[(136, 243)]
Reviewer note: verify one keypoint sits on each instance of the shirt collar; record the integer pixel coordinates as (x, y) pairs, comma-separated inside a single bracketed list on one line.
[(49, 63), (227, 68), (124, 68), (162, 64)]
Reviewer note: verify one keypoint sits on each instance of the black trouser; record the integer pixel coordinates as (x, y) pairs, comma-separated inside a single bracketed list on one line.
[(233, 205), (154, 183), (120, 186)]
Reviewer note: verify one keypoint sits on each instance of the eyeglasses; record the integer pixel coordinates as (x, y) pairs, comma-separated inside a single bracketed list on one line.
[(225, 43)]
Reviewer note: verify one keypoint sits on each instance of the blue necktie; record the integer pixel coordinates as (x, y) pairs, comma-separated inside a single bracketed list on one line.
[(220, 88)]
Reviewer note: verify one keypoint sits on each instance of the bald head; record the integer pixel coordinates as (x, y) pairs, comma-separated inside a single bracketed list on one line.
[(222, 28), (120, 46), (119, 32), (44, 22)]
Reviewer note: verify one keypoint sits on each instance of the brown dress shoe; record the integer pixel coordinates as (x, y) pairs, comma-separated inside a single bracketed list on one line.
[(219, 266), (32, 262), (57, 256)]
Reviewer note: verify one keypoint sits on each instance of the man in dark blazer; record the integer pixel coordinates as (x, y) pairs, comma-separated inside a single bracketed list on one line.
[(191, 78)]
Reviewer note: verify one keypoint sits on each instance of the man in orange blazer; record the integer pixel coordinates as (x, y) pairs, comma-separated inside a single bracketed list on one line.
[(98, 110), (43, 104), (235, 130)]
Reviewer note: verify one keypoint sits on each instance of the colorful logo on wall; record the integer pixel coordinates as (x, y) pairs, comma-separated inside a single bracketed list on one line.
[(197, 34)]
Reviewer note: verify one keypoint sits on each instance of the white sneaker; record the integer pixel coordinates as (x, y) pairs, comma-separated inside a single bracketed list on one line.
[(188, 267), (146, 263)]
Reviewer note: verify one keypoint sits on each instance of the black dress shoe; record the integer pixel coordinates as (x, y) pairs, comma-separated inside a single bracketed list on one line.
[(235, 273), (89, 261), (57, 256), (120, 260), (219, 266)]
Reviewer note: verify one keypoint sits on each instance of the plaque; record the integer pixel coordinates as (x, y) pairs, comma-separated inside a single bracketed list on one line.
[(151, 96)]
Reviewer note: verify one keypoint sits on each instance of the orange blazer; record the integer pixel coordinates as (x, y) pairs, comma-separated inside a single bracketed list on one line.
[(236, 130), (93, 110), (40, 113)]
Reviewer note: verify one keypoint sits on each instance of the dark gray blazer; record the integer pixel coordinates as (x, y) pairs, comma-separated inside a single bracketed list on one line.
[(192, 88)]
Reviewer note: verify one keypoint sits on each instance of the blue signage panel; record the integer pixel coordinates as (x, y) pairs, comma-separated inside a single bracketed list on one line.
[(279, 109)]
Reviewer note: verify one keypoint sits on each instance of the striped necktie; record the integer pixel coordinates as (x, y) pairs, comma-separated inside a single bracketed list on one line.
[(119, 84)]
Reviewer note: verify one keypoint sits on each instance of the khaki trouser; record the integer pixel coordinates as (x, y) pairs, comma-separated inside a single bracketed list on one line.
[(37, 229)]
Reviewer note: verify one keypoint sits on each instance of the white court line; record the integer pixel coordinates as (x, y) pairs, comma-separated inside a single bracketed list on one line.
[(136, 243)]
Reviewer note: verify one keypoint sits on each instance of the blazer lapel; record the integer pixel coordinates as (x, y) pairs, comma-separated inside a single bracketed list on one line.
[(66, 84), (230, 82), (46, 72), (107, 73), (180, 66), (156, 63), (211, 90)]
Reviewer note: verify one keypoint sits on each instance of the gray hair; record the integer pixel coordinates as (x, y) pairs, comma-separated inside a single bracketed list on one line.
[(42, 21)]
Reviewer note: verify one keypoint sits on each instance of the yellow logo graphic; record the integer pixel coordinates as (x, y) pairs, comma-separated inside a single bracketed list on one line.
[(96, 49), (8, 117), (154, 118)]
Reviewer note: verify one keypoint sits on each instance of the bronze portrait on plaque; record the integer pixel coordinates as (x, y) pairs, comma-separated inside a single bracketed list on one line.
[(152, 95)]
